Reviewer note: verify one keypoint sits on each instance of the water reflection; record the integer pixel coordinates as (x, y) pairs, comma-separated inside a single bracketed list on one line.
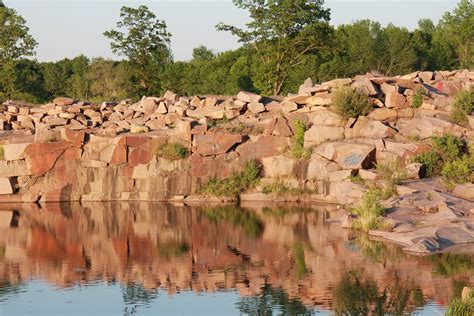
[(280, 258)]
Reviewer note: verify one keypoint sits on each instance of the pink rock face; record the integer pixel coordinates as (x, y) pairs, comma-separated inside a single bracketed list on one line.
[(207, 167), (215, 144), (265, 146), (41, 157), (71, 136), (395, 100), (141, 154), (119, 155)]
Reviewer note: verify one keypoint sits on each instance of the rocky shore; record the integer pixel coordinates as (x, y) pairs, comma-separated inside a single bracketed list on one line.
[(169, 148)]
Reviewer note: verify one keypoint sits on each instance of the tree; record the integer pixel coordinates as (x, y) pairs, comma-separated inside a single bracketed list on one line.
[(78, 86), (398, 55), (202, 53), (281, 32), (108, 80), (458, 31), (144, 40), (15, 43)]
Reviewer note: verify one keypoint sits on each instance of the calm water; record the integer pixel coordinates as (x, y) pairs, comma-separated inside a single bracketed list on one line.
[(156, 259)]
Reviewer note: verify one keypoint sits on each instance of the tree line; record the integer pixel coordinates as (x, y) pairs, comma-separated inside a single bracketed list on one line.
[(285, 42)]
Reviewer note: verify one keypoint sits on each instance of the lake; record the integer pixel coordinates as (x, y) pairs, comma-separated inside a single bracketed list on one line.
[(256, 259)]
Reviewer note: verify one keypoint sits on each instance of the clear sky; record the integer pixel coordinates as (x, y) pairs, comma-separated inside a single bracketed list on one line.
[(67, 28)]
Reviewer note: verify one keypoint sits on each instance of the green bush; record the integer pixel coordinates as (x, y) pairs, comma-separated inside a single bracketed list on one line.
[(351, 103), (172, 151), (418, 98), (449, 147), (298, 142), (445, 149), (458, 171), (237, 183), (463, 106), (369, 212)]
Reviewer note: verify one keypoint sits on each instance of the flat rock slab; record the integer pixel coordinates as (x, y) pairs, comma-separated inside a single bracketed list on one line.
[(216, 144)]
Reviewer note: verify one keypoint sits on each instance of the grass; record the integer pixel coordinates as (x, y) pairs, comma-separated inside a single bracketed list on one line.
[(280, 188), (417, 98), (298, 142), (351, 103), (356, 179), (2, 153), (461, 307), (369, 211), (172, 151), (463, 106), (215, 123), (237, 183), (392, 173)]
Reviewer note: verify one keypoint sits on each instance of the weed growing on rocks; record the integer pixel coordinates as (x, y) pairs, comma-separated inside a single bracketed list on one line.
[(369, 211), (461, 307), (417, 98), (458, 171), (237, 183), (298, 141), (463, 106), (351, 103), (172, 151), (392, 173)]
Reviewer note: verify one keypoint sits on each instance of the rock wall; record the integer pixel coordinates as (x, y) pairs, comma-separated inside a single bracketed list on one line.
[(71, 151)]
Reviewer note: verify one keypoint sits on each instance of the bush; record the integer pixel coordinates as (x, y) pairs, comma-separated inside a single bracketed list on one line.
[(237, 183), (458, 171), (298, 142), (463, 106), (449, 147), (369, 212), (278, 188), (417, 98), (351, 103), (2, 153), (172, 151)]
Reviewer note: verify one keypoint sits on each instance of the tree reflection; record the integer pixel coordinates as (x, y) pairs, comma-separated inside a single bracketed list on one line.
[(272, 301), (135, 295), (355, 295)]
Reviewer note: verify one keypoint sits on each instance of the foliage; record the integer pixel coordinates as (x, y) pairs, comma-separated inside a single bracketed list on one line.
[(369, 211), (298, 141), (447, 264), (351, 103), (463, 106), (237, 183), (417, 98), (248, 221), (172, 151), (357, 179), (431, 160), (280, 33), (278, 188), (392, 173), (458, 171), (144, 40), (2, 153)]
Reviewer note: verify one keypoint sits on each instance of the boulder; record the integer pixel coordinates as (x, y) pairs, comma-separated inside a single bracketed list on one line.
[(320, 134), (7, 185), (63, 101), (324, 117), (395, 100), (264, 146), (464, 191), (348, 193), (349, 155), (278, 166), (249, 97), (319, 100), (256, 107), (212, 144), (366, 128), (213, 112), (14, 151), (415, 171), (319, 168), (383, 114)]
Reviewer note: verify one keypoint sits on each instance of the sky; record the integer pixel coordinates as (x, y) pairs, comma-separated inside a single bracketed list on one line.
[(67, 28)]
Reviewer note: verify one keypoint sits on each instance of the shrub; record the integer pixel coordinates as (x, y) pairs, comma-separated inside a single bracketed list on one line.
[(298, 142), (417, 98), (237, 183), (463, 106), (369, 212), (351, 103), (278, 188), (298, 253), (2, 153), (458, 171), (449, 147), (431, 160), (172, 151)]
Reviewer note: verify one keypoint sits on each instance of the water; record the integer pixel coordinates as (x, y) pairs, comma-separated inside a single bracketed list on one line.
[(157, 259)]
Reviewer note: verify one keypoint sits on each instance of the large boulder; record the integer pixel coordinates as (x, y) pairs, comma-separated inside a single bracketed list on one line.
[(278, 166), (366, 128), (264, 146), (248, 97), (212, 144), (349, 155), (320, 134)]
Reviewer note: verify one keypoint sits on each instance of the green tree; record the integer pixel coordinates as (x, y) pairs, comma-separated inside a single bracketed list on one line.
[(457, 28), (56, 77), (78, 86), (281, 33), (144, 40), (203, 53), (398, 56), (108, 80), (15, 43)]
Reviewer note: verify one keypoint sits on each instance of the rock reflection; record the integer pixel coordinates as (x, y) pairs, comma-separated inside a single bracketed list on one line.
[(286, 256)]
